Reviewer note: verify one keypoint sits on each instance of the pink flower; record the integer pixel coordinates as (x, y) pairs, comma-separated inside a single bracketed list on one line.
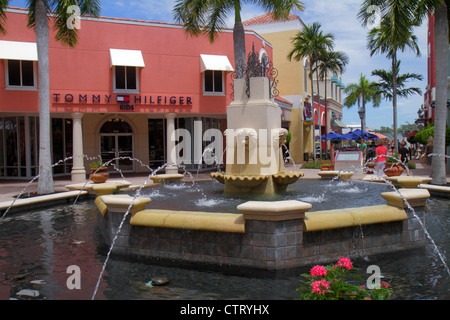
[(318, 271), (385, 284), (344, 262), (320, 286)]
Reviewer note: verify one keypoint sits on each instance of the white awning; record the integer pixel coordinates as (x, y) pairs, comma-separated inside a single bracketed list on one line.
[(214, 62), (127, 58), (15, 50)]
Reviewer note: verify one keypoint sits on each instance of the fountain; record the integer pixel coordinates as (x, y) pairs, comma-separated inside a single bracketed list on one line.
[(266, 231), (254, 138)]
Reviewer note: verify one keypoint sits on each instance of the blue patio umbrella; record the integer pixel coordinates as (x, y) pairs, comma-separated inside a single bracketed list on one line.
[(333, 136), (366, 135), (350, 136)]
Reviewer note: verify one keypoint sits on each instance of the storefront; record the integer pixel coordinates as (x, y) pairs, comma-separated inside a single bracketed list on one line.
[(119, 94)]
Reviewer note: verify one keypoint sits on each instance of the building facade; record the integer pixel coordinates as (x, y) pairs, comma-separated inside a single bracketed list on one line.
[(119, 94)]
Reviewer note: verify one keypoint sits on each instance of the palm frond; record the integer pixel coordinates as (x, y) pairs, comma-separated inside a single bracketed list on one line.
[(3, 6)]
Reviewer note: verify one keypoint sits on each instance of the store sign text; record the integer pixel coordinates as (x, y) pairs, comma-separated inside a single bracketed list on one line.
[(125, 105)]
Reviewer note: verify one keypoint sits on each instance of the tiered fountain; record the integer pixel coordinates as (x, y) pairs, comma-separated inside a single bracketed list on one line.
[(254, 138)]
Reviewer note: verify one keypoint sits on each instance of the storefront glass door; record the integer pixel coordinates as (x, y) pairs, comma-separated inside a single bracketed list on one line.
[(118, 147)]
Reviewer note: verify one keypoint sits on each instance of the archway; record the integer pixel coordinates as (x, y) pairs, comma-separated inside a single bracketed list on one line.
[(116, 141)]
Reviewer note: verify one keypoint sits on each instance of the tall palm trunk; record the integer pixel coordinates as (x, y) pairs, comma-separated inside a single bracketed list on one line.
[(239, 41), (438, 172), (363, 118), (319, 118), (394, 99), (312, 109), (45, 183), (326, 117)]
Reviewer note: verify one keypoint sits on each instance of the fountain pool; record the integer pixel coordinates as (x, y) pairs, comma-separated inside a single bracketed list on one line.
[(39, 247), (209, 195)]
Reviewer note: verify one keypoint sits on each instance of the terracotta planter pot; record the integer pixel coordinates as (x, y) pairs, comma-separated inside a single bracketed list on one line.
[(100, 176), (395, 170)]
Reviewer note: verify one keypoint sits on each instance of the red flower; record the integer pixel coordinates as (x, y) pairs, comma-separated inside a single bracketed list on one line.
[(344, 262), (385, 284), (318, 271), (320, 286)]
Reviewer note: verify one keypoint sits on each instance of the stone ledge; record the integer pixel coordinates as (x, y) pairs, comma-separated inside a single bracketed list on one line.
[(21, 202), (349, 217), (89, 186), (274, 210), (120, 203), (192, 220), (332, 174), (442, 191), (167, 177), (408, 181), (415, 197)]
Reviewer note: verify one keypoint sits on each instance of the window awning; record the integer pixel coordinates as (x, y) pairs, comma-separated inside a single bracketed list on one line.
[(214, 62), (338, 123), (15, 50), (126, 58)]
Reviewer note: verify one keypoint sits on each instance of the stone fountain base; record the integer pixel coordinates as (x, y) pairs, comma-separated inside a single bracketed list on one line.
[(258, 184), (265, 235)]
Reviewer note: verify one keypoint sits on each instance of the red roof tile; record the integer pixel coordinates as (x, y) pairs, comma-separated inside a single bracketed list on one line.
[(267, 18)]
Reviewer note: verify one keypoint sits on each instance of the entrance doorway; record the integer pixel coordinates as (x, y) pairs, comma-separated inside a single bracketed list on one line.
[(116, 142)]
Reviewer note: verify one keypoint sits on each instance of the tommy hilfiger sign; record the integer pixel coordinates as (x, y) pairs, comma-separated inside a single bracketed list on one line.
[(121, 99)]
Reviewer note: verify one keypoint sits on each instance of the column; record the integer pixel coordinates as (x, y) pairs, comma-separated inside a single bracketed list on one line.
[(170, 151), (78, 172)]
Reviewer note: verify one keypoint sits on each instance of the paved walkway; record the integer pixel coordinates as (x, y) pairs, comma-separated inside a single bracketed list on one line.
[(11, 188)]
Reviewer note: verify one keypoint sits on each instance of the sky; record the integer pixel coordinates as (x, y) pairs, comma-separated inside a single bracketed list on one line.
[(336, 17)]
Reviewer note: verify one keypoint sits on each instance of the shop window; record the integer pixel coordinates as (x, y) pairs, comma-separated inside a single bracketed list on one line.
[(126, 79), (213, 82), (20, 75)]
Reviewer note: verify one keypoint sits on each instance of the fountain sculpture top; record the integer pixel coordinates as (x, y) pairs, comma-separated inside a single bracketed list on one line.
[(254, 137)]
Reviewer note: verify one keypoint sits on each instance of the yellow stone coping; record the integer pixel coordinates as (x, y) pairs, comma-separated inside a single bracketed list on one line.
[(350, 217), (274, 210), (408, 181), (437, 188), (89, 186), (330, 174), (415, 197), (167, 177), (191, 220), (101, 206), (40, 199), (120, 203)]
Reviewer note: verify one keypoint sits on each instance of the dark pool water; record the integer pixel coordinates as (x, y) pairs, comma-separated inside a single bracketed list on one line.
[(40, 246), (322, 194)]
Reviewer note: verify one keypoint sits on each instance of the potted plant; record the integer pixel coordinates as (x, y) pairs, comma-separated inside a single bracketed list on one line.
[(99, 172), (370, 167), (392, 166)]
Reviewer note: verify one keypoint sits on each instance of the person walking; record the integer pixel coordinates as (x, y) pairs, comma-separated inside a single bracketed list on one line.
[(429, 150), (404, 156), (363, 148), (381, 152)]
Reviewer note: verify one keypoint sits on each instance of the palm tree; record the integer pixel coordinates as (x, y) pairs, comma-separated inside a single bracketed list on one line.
[(360, 93), (441, 33), (392, 35), (311, 43), (38, 19), (208, 16), (330, 62), (386, 79)]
